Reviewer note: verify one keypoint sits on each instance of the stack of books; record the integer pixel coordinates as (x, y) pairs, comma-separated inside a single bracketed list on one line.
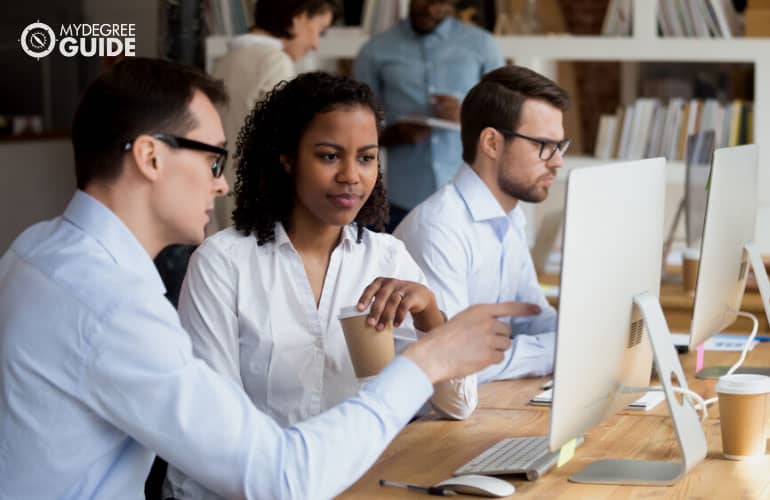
[(677, 18), (650, 128)]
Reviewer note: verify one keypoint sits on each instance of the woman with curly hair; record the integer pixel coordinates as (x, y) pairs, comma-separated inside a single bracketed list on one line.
[(261, 299)]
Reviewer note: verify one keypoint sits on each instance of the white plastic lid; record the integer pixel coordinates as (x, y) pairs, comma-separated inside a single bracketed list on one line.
[(352, 312), (743, 383), (691, 253)]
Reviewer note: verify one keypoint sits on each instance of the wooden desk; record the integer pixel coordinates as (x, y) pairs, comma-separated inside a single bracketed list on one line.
[(515, 394), (428, 451)]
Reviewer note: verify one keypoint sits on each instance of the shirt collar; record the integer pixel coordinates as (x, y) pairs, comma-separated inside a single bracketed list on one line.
[(441, 31), (102, 224), (349, 235), (251, 39), (483, 206)]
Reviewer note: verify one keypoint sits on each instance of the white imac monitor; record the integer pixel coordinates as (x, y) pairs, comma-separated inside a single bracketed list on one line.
[(727, 250), (610, 323), (700, 150)]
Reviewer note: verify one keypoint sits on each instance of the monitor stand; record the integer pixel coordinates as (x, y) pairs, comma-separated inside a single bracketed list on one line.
[(692, 442), (763, 283)]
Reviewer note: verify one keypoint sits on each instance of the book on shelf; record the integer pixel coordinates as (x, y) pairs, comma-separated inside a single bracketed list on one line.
[(229, 17), (605, 136), (697, 18), (651, 127), (625, 135), (656, 132), (618, 19), (641, 125)]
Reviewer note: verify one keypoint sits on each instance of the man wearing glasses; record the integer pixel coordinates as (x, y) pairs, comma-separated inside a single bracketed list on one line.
[(97, 374), (469, 237)]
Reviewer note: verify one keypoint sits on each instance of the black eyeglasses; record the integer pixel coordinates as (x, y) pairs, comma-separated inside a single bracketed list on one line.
[(180, 142), (547, 148)]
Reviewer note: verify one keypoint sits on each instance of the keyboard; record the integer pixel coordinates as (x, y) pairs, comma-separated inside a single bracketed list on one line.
[(523, 455)]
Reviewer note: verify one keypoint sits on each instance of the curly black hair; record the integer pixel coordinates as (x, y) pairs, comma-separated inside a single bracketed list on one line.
[(264, 191)]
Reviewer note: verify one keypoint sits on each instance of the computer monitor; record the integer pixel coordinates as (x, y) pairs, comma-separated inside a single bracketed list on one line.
[(700, 150), (610, 324), (727, 250)]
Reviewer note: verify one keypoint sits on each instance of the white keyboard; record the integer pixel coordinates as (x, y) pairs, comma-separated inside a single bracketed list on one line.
[(522, 455)]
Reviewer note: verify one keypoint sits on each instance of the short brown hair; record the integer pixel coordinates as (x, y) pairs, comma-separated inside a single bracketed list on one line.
[(497, 99), (136, 96), (275, 16)]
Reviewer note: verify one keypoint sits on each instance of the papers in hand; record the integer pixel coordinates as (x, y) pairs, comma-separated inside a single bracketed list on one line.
[(720, 342), (429, 121), (647, 402)]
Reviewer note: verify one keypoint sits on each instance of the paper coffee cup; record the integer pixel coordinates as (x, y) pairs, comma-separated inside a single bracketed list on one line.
[(743, 415), (370, 350), (690, 261)]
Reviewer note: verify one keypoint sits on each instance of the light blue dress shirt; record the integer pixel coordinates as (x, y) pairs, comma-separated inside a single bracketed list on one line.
[(405, 69), (97, 375), (472, 252)]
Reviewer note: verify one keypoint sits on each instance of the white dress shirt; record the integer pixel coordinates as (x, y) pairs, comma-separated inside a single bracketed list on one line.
[(472, 252), (97, 375), (252, 315)]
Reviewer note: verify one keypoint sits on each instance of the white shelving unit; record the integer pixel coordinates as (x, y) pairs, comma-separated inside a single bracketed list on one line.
[(540, 52)]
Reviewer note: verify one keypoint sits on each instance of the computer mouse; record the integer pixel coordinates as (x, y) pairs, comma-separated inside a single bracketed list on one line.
[(483, 486)]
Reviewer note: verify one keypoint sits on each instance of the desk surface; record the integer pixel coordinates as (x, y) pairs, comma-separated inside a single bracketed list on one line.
[(428, 451), (515, 394)]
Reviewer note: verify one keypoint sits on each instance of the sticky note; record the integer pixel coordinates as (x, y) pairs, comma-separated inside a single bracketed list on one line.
[(699, 357), (566, 453)]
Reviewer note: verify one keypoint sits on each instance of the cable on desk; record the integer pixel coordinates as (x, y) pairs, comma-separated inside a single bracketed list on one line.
[(748, 341), (746, 348)]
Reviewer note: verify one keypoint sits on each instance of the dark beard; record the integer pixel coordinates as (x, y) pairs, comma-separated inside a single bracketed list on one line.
[(522, 193)]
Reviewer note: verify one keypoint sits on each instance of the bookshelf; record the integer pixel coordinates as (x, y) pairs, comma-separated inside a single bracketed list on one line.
[(541, 52)]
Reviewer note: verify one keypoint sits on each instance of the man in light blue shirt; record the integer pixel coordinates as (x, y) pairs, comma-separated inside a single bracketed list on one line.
[(96, 373), (469, 238), (423, 66)]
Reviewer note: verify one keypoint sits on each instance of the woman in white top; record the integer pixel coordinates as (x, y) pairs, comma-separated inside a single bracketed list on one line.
[(261, 299), (284, 32)]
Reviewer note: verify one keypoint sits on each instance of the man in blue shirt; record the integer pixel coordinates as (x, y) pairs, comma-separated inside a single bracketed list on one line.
[(96, 373), (423, 66), (469, 238)]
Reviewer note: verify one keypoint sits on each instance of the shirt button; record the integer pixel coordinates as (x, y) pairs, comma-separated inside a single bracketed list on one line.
[(434, 140)]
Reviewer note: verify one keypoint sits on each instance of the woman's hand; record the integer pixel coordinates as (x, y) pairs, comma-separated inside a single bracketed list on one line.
[(392, 299)]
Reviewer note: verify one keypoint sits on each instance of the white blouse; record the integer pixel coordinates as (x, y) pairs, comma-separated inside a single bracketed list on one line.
[(251, 314)]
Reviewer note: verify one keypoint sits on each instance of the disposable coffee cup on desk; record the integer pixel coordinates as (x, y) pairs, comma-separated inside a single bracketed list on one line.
[(743, 415), (690, 261), (370, 350)]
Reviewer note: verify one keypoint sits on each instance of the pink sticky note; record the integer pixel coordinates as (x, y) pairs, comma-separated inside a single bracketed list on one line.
[(699, 357)]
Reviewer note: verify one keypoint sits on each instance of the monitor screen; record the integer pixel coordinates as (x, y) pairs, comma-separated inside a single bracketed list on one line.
[(731, 211), (612, 252), (700, 149)]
